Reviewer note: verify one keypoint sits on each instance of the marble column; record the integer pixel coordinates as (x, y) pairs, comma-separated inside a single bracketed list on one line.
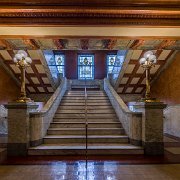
[(152, 126), (19, 127)]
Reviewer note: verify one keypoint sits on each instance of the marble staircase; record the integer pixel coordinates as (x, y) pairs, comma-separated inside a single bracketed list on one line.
[(67, 133)]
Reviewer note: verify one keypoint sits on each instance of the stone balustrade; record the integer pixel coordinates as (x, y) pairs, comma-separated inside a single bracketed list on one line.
[(40, 121), (131, 121), (172, 120), (3, 120)]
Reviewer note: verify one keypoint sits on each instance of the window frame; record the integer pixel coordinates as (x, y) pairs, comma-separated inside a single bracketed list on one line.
[(107, 63), (56, 65), (93, 66)]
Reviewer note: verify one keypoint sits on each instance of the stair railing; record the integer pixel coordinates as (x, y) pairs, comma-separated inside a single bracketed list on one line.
[(86, 124), (40, 121), (131, 121)]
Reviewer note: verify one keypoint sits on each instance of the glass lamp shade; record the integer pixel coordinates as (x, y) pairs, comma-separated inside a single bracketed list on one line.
[(148, 54), (28, 60), (152, 58), (142, 60), (18, 57), (23, 53), (15, 60)]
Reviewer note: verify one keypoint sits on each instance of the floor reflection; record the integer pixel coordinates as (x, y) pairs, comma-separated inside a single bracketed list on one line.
[(93, 170), (82, 171)]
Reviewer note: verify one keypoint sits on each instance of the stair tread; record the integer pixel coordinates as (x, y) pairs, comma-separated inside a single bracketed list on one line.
[(83, 146), (65, 122), (85, 128), (89, 136)]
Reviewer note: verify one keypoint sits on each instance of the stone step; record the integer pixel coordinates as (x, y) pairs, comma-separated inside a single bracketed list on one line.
[(84, 120), (101, 111), (101, 116), (68, 111), (83, 107), (97, 98), (97, 95), (56, 139), (82, 131), (72, 103), (82, 111), (72, 115), (67, 125), (82, 115), (80, 149), (73, 98), (98, 104), (82, 125), (74, 92)]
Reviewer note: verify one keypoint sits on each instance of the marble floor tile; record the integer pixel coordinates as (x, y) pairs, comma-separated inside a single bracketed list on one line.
[(104, 170)]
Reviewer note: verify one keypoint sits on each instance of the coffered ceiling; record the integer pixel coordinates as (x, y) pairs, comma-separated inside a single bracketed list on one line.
[(38, 76), (132, 76)]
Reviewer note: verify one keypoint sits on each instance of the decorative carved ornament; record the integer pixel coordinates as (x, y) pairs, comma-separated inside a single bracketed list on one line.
[(67, 15)]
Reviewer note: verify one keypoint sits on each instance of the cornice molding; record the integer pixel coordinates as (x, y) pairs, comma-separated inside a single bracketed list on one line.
[(95, 3), (85, 15)]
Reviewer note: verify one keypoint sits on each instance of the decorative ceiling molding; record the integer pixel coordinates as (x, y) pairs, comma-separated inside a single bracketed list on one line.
[(102, 3), (84, 44), (137, 43), (87, 44), (166, 44), (109, 43), (91, 15), (31, 43), (60, 43), (4, 44)]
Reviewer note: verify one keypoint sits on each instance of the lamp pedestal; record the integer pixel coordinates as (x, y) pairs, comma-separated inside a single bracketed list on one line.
[(19, 127), (152, 126)]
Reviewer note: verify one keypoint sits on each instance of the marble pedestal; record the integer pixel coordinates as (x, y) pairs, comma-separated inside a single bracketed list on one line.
[(18, 127), (152, 126)]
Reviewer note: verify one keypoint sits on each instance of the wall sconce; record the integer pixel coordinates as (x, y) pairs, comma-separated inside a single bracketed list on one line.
[(22, 61), (147, 62)]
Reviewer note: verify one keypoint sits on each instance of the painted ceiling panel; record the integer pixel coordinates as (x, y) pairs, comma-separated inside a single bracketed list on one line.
[(133, 75), (5, 55), (37, 80)]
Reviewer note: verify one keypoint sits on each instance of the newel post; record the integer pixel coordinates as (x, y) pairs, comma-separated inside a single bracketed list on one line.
[(152, 126), (19, 127)]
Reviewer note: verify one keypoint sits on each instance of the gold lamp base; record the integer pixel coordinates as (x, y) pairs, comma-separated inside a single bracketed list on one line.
[(23, 100), (148, 100)]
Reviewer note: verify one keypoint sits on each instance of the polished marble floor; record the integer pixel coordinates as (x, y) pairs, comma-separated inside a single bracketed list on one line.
[(96, 170), (130, 167)]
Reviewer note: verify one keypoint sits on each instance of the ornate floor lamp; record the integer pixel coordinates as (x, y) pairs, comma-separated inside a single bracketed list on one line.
[(147, 62), (22, 61)]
